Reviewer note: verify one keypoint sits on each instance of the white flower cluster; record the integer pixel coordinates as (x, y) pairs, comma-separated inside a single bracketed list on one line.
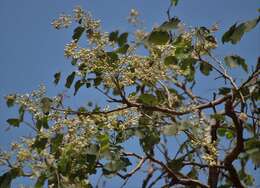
[(202, 132), (134, 17), (64, 21)]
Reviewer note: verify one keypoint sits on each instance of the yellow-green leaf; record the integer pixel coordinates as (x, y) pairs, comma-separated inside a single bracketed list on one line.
[(234, 61), (70, 80), (14, 122), (77, 33), (158, 37), (57, 77)]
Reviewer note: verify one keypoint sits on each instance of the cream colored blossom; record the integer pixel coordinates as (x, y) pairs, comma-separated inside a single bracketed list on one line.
[(23, 155), (243, 117), (133, 17), (78, 13), (70, 49), (63, 21)]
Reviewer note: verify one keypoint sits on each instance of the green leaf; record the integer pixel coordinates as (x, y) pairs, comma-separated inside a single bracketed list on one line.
[(234, 61), (113, 36), (224, 90), (174, 2), (222, 131), (40, 181), (218, 117), (170, 60), (170, 130), (144, 121), (70, 80), (148, 99), (116, 165), (46, 103), (227, 36), (92, 149), (229, 134), (21, 113), (57, 78), (188, 68), (255, 156), (65, 160), (42, 122), (124, 135), (77, 86), (90, 161), (205, 68), (77, 33), (158, 37), (184, 48), (169, 25), (150, 139), (112, 57), (104, 142), (252, 144), (176, 165), (193, 173), (74, 62), (249, 180), (252, 148), (97, 81), (235, 33), (251, 24), (122, 39), (10, 99), (123, 49), (56, 142), (14, 122), (6, 178), (40, 143)]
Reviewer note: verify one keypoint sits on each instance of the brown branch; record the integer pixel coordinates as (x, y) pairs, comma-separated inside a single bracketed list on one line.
[(131, 104), (89, 113), (174, 112), (234, 176), (223, 72), (251, 77), (186, 90), (127, 176), (108, 96), (133, 155), (133, 171), (178, 178), (213, 170), (162, 109), (150, 172), (201, 165), (156, 180), (239, 141), (239, 148)]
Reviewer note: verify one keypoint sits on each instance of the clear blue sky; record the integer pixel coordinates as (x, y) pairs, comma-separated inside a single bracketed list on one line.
[(31, 51)]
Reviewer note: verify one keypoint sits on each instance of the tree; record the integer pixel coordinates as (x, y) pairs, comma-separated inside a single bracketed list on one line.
[(150, 98)]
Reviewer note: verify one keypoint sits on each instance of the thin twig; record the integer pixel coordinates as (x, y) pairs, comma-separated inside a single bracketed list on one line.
[(90, 113), (134, 170)]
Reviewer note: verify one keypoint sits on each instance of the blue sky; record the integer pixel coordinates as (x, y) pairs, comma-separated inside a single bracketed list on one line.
[(31, 51)]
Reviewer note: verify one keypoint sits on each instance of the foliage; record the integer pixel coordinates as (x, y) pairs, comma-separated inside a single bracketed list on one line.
[(152, 100)]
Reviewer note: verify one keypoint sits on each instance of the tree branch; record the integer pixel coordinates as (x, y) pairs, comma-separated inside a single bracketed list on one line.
[(239, 145), (175, 178)]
